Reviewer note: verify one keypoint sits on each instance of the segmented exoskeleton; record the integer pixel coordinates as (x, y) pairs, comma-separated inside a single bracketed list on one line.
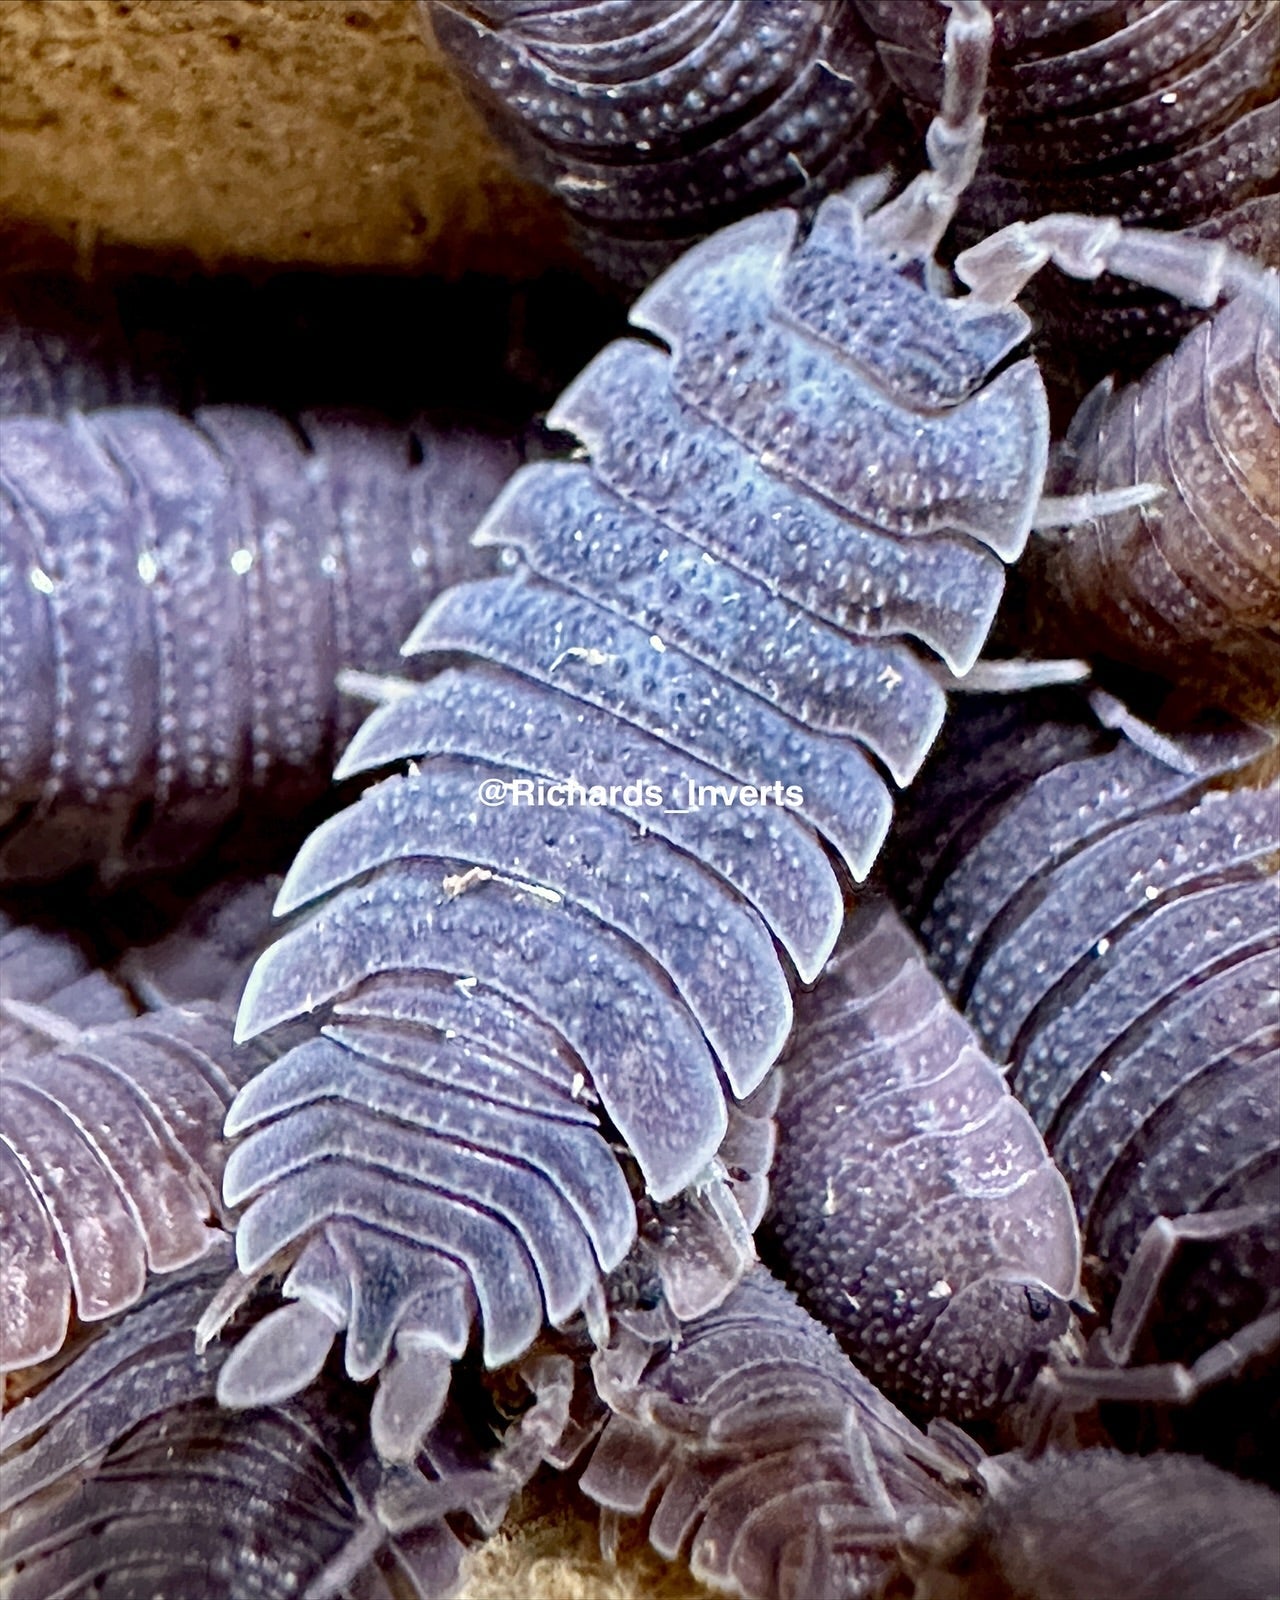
[(176, 600), (64, 347), (70, 1413), (712, 608), (759, 1453), (1105, 911), (120, 1476), (1162, 113), (1188, 585), (1074, 1527), (915, 1208), (197, 1502), (656, 123), (50, 988), (111, 1160)]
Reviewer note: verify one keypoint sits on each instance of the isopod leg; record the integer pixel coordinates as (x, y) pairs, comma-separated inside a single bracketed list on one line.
[(1151, 1261), (1105, 1375), (1171, 1382), (1229, 1357)]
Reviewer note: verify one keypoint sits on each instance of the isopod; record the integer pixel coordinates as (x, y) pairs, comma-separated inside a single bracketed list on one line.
[(759, 1453), (120, 1475), (1074, 1527), (1187, 585), (1107, 918), (177, 599), (914, 1207), (656, 123)]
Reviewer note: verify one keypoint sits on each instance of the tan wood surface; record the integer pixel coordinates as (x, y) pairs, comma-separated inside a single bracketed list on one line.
[(303, 132)]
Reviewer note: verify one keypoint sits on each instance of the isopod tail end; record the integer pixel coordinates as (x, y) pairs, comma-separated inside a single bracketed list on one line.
[(276, 1359), (411, 1395)]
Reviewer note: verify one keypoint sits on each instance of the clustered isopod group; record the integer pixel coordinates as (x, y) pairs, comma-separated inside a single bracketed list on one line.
[(299, 1297)]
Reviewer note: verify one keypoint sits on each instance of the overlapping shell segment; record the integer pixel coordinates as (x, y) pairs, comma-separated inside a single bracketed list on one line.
[(558, 929), (656, 123), (177, 598), (120, 1475), (111, 1167), (50, 988), (1105, 912), (1187, 586)]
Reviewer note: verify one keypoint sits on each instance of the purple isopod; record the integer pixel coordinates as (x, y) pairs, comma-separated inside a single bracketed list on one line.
[(177, 599), (111, 1159), (1188, 585), (656, 124), (759, 1453), (915, 1208), (120, 1473), (1106, 915)]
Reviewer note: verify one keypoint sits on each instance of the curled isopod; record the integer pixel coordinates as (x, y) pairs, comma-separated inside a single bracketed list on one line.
[(915, 1208), (656, 123)]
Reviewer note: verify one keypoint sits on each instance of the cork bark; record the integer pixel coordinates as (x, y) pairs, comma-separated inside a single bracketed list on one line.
[(549, 1549), (324, 133)]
